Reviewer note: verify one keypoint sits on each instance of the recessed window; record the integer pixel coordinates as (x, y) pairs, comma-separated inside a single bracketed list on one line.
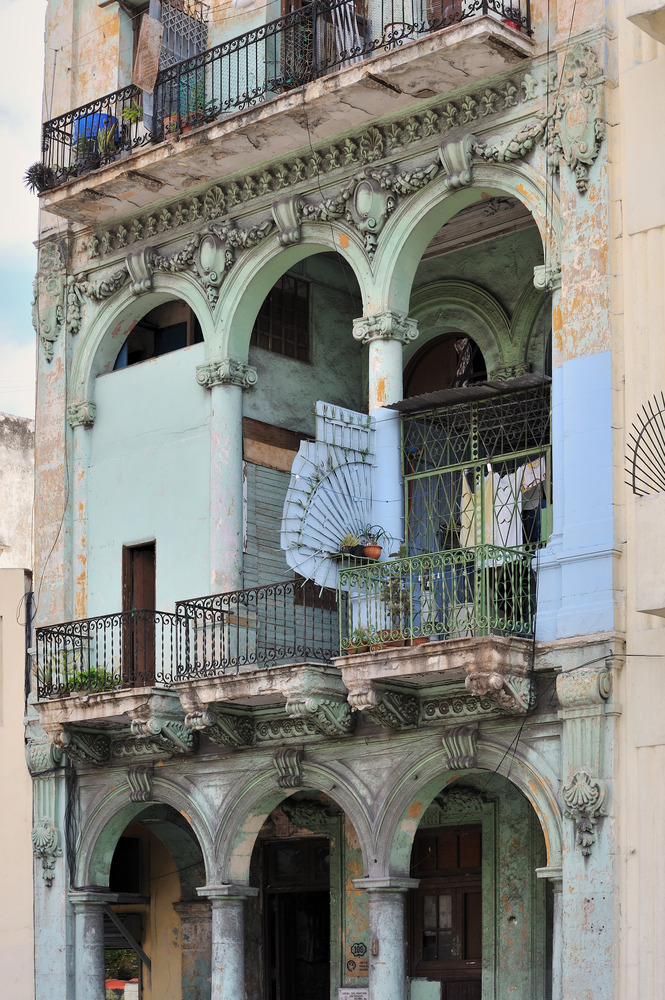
[(164, 329), (282, 325)]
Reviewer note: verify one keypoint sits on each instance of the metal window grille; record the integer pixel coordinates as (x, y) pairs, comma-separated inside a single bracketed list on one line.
[(282, 325)]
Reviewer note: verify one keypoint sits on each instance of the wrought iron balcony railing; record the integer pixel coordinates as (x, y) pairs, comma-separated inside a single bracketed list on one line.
[(458, 593), (289, 622), (125, 650), (320, 37)]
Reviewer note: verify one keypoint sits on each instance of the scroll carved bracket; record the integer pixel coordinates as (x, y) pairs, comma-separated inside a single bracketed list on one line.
[(331, 714), (288, 764), (514, 693), (386, 707), (459, 745), (227, 729)]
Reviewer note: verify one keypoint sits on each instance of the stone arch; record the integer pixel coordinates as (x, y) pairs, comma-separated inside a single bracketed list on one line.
[(244, 817), (409, 230), (97, 346), (464, 303), (116, 811), (401, 814), (527, 325), (253, 276)]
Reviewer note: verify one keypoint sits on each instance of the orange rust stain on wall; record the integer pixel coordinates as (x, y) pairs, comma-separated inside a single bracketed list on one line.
[(380, 392), (415, 809), (343, 241)]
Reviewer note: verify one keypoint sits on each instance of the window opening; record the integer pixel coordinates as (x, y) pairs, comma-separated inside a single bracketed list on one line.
[(283, 324), (446, 362), (167, 328)]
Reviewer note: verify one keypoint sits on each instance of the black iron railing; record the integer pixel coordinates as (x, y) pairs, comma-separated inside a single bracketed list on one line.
[(288, 622), (126, 650), (319, 38)]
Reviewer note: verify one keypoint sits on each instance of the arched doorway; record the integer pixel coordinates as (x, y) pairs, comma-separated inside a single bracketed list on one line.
[(306, 932), (448, 361), (479, 919), (157, 932)]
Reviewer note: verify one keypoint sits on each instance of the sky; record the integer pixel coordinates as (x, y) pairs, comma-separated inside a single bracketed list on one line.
[(21, 76)]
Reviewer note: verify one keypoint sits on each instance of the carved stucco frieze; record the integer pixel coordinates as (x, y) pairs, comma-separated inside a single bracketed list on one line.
[(270, 730), (385, 706), (451, 804), (461, 705), (386, 325), (363, 149), (81, 413), (288, 764), (584, 798), (227, 729), (45, 847), (226, 371), (330, 713), (459, 744)]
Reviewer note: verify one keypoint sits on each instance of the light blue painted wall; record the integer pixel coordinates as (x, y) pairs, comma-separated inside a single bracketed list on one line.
[(575, 594), (150, 478)]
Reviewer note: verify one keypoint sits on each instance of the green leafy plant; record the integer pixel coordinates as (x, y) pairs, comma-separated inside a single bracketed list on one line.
[(348, 541), (133, 114), (106, 141), (373, 534), (360, 640)]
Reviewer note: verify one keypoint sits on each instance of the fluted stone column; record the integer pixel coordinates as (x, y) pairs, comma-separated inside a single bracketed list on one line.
[(226, 378), (227, 976), (81, 417), (387, 935), (89, 939), (554, 875), (386, 333)]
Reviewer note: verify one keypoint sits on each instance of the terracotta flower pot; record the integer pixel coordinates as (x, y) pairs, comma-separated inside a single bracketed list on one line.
[(372, 551)]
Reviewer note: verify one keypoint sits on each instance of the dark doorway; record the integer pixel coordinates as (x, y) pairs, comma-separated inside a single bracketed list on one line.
[(138, 605), (446, 913), (297, 919)]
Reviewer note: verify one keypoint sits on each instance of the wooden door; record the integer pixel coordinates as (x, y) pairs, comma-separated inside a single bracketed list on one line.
[(138, 605)]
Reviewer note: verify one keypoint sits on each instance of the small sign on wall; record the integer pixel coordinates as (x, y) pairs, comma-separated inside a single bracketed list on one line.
[(353, 993)]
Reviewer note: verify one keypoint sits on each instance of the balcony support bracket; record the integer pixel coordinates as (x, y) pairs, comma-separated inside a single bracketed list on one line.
[(386, 706)]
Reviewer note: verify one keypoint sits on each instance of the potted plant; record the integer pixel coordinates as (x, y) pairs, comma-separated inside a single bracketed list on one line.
[(107, 142), (372, 535), (350, 544), (359, 641), (86, 153), (133, 114)]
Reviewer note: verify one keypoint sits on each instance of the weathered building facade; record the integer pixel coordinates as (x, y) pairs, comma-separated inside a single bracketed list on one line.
[(306, 272)]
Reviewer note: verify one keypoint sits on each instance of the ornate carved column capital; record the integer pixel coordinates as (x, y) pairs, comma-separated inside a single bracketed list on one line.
[(42, 756), (81, 413), (386, 325), (226, 371), (386, 707), (584, 688), (547, 276), (227, 729)]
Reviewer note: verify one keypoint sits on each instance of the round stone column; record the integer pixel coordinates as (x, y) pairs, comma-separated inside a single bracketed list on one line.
[(226, 378), (89, 943), (386, 333), (227, 977), (387, 935)]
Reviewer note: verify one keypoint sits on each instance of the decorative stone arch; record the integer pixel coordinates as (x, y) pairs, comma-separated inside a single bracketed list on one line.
[(97, 346), (399, 819), (449, 306), (254, 275), (244, 817), (411, 227), (115, 811)]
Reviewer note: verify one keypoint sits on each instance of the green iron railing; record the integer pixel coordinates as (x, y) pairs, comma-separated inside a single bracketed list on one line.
[(462, 592)]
